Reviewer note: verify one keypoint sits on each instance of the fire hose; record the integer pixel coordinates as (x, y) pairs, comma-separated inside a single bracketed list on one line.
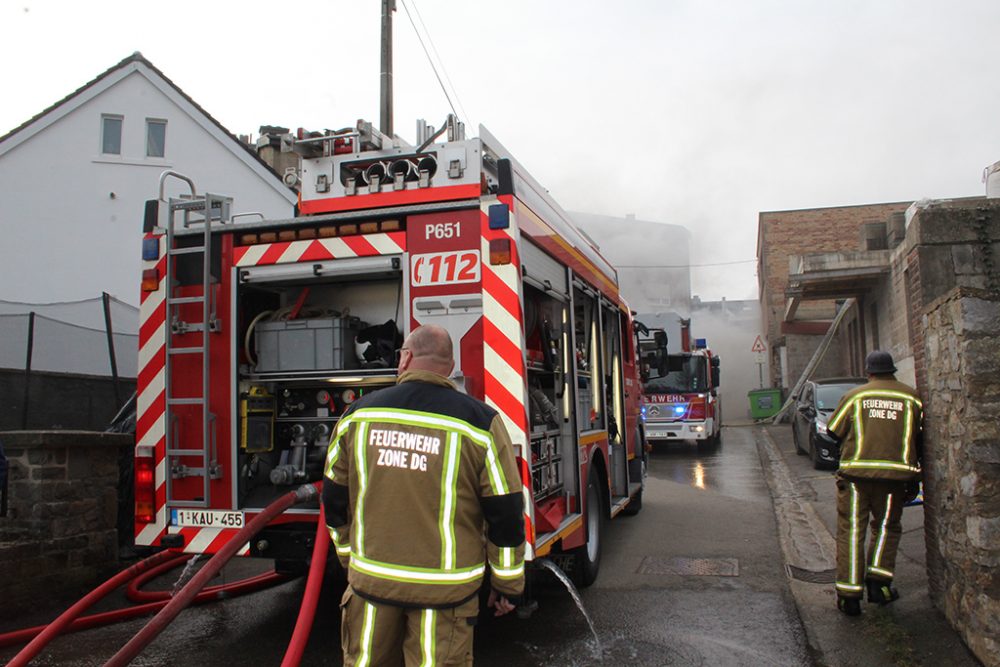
[(169, 606), (184, 597)]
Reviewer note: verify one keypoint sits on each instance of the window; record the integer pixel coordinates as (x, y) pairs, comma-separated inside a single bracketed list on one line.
[(875, 236), (156, 137), (111, 134)]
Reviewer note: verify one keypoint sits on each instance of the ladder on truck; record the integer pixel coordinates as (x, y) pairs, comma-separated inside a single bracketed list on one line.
[(191, 213)]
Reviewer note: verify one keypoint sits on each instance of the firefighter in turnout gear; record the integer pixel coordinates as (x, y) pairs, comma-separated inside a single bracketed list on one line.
[(880, 428), (422, 499)]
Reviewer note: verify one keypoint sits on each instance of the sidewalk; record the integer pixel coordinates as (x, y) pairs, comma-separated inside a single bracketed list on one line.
[(907, 633)]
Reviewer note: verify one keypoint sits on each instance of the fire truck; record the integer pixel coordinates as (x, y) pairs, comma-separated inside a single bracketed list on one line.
[(680, 390), (257, 334)]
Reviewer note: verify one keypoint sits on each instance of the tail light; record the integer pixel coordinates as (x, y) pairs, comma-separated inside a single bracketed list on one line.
[(145, 490), (500, 251), (150, 280)]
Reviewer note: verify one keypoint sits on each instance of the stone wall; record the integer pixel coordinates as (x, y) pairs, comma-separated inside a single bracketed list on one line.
[(953, 261), (60, 533)]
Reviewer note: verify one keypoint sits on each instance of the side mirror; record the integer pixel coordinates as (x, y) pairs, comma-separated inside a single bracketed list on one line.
[(660, 339), (715, 377)]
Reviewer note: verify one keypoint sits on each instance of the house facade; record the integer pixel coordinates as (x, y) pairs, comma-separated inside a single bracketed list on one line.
[(75, 177)]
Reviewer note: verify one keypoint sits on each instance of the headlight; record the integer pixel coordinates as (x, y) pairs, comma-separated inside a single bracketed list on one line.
[(820, 428)]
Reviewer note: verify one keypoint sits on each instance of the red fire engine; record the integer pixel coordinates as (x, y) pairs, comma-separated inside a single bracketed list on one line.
[(257, 335), (680, 390)]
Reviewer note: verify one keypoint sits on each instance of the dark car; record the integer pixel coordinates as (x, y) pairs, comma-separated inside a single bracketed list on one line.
[(813, 409)]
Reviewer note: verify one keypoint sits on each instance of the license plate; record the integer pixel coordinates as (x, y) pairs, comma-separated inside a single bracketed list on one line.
[(206, 519)]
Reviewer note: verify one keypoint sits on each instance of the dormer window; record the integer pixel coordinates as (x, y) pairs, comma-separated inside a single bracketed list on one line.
[(156, 137), (111, 134)]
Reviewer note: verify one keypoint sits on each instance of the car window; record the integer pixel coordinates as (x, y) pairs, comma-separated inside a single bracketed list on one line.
[(829, 395)]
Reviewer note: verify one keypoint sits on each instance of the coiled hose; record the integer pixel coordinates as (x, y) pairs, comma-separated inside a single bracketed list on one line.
[(184, 597)]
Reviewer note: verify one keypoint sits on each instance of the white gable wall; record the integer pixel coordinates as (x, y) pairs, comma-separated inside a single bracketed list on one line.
[(71, 218)]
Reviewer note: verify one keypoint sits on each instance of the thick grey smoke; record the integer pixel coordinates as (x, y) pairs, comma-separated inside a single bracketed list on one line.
[(730, 330)]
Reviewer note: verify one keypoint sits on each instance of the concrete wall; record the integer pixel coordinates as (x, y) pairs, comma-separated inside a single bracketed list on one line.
[(60, 401), (800, 349), (955, 254), (60, 533)]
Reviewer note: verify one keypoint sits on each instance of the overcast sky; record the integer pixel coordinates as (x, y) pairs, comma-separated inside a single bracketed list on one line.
[(690, 112)]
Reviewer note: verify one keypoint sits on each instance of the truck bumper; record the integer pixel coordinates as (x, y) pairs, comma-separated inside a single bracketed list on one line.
[(696, 430)]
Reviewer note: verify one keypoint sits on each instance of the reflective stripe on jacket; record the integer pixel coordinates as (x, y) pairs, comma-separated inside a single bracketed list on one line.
[(881, 427), (422, 493)]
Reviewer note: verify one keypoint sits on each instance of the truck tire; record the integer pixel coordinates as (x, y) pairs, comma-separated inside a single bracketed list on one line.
[(587, 558)]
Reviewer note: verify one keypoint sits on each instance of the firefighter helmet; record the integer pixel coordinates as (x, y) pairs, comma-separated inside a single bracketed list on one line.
[(879, 363)]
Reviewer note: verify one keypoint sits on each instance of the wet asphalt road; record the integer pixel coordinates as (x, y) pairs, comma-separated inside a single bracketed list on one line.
[(695, 579)]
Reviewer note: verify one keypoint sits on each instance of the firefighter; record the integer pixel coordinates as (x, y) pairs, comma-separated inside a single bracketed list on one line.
[(880, 426), (422, 499)]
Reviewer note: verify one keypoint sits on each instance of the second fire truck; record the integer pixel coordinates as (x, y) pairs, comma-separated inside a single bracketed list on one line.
[(680, 389)]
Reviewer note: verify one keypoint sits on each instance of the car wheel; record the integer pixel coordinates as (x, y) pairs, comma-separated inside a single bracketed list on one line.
[(814, 454), (795, 439)]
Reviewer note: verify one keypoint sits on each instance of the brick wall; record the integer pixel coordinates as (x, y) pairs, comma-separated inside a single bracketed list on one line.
[(781, 234), (954, 288), (60, 533)]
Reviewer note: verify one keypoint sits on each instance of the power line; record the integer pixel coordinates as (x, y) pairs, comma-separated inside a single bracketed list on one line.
[(680, 266), (444, 69), (429, 59)]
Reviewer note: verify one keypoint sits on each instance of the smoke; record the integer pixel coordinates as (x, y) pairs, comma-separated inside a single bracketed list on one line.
[(730, 328)]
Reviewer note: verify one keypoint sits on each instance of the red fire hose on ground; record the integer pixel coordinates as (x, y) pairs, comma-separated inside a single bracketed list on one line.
[(184, 597), (169, 606)]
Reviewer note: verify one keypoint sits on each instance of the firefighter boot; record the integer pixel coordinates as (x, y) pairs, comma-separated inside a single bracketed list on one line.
[(881, 592), (850, 606)]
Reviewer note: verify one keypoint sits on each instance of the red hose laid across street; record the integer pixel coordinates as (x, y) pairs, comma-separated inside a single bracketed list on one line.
[(53, 629), (186, 595)]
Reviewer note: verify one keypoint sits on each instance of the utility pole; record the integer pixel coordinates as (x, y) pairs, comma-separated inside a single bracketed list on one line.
[(385, 124)]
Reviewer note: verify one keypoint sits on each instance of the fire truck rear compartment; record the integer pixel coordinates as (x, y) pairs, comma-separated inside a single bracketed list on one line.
[(301, 365)]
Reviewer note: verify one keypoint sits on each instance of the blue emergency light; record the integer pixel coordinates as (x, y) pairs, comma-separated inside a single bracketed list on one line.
[(150, 249), (700, 343), (499, 216)]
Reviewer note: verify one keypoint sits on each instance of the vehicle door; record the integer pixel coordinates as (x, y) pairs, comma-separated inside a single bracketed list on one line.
[(804, 413)]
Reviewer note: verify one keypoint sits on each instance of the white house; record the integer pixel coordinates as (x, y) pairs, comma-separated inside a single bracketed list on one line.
[(74, 179)]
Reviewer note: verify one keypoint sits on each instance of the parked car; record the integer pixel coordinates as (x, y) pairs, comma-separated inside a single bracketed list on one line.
[(813, 409)]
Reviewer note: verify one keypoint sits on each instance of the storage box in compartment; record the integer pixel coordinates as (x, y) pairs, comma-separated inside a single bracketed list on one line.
[(321, 344)]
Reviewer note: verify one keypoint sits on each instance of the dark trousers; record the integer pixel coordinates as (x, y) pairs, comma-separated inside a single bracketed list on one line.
[(858, 500)]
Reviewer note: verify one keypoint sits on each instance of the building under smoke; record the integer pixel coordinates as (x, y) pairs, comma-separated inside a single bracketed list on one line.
[(651, 258)]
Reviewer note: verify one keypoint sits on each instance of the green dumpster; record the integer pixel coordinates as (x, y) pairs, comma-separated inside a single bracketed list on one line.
[(764, 403)]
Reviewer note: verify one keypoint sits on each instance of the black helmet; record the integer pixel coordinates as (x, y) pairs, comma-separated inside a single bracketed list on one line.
[(879, 363)]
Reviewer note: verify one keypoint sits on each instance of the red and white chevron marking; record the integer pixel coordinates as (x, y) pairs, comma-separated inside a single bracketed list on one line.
[(151, 387), (316, 250), (504, 374), (208, 540)]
